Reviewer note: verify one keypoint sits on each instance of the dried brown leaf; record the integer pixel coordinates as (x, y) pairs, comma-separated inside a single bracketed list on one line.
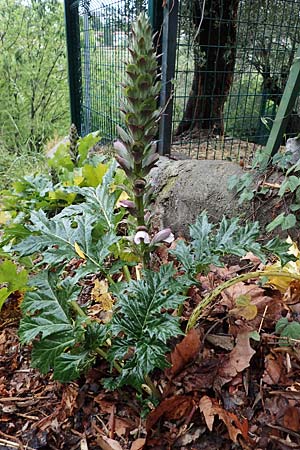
[(108, 444), (234, 426), (138, 444), (231, 294), (172, 408), (292, 293), (185, 351), (223, 341), (272, 371), (252, 258), (239, 357), (122, 426), (206, 407), (291, 418), (101, 295)]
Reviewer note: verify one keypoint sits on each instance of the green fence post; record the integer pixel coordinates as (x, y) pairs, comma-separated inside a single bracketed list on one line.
[(288, 99), (74, 60), (169, 43)]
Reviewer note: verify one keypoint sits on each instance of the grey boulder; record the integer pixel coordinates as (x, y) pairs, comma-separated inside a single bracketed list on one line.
[(183, 189)]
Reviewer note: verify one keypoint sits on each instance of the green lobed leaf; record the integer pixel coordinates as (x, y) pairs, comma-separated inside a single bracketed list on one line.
[(294, 207), (61, 158), (142, 319), (46, 309), (100, 200), (183, 252), (287, 329), (46, 351), (65, 343), (68, 366), (93, 175), (275, 223), (289, 222), (57, 236), (209, 243), (290, 184), (60, 238), (280, 248), (86, 143)]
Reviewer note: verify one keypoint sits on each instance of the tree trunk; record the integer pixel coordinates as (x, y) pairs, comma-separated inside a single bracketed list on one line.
[(214, 59)]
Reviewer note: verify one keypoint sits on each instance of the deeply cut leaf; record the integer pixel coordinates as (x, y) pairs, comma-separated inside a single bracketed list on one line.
[(60, 341), (209, 244), (46, 309), (142, 318)]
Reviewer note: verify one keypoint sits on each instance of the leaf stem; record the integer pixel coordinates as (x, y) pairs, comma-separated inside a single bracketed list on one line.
[(139, 203), (125, 268), (153, 388), (127, 273), (244, 277), (98, 350), (76, 308), (103, 353)]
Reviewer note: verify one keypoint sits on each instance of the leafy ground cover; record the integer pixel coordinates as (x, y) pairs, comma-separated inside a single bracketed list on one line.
[(114, 335), (233, 383)]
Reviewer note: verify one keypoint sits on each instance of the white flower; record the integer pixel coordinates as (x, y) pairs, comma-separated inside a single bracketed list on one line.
[(141, 236)]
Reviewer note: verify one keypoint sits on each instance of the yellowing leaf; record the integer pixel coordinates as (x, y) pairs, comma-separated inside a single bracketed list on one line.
[(123, 196), (78, 180), (127, 256), (93, 175), (4, 294), (79, 251), (244, 307), (101, 295), (68, 197), (293, 250), (292, 267), (4, 217)]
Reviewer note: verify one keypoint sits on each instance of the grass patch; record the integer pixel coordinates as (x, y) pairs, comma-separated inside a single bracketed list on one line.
[(14, 166)]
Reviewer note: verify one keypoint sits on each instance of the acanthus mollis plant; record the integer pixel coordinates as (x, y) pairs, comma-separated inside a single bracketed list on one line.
[(136, 147), (74, 138)]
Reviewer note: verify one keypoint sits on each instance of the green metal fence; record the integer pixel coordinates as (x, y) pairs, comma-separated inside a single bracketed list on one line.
[(233, 60), (97, 37), (227, 62)]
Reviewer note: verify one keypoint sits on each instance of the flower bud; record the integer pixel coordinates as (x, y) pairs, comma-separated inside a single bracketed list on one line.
[(164, 235), (127, 204), (126, 166)]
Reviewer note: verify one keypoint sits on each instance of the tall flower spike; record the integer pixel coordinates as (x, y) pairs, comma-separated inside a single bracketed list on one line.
[(73, 138), (135, 149)]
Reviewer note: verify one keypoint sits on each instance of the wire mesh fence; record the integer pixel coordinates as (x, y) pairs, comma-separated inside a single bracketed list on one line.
[(232, 62), (105, 38), (104, 30)]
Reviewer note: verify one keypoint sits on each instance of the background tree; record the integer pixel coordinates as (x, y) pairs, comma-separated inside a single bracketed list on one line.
[(33, 75), (270, 42), (243, 48), (213, 32)]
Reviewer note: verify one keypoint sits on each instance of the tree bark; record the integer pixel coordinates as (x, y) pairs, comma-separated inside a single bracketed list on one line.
[(214, 60)]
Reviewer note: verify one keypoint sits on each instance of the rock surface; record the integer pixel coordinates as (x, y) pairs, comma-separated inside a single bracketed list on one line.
[(183, 189), (293, 148)]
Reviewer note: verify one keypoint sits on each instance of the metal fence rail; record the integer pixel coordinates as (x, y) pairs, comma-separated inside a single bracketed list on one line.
[(229, 61)]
